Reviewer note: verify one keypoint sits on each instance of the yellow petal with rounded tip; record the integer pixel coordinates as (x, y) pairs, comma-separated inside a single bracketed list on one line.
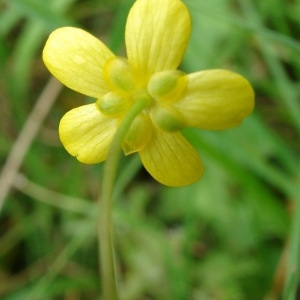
[(171, 159), (87, 134), (157, 33), (76, 58), (216, 99)]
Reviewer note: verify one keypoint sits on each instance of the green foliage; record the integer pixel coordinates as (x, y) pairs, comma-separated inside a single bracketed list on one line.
[(220, 238)]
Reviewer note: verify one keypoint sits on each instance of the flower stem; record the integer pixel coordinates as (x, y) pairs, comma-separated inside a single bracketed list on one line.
[(105, 226)]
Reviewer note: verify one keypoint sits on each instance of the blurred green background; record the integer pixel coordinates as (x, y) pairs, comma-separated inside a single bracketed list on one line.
[(233, 235)]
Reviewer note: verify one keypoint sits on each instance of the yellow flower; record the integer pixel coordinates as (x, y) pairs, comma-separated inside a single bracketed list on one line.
[(157, 33)]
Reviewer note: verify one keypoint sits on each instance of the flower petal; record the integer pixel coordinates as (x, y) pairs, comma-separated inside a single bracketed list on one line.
[(86, 133), (171, 159), (157, 33), (216, 99), (76, 58)]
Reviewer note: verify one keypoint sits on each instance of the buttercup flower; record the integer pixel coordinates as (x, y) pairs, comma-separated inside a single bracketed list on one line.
[(157, 33)]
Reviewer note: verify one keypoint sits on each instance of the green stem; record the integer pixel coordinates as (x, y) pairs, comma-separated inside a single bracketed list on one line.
[(105, 226)]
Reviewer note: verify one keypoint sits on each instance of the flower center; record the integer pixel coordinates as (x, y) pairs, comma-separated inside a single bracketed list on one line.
[(128, 85)]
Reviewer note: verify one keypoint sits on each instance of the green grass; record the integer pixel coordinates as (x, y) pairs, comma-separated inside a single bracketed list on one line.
[(221, 238)]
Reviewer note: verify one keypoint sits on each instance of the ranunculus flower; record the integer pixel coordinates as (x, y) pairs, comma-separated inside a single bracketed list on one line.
[(157, 33)]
